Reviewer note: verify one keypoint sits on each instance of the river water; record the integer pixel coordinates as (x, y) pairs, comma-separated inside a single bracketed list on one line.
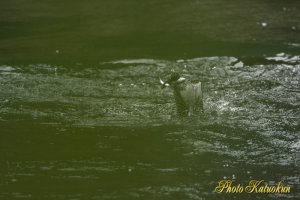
[(83, 116)]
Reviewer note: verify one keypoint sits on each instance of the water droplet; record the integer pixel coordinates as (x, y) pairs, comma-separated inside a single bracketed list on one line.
[(233, 176), (264, 24)]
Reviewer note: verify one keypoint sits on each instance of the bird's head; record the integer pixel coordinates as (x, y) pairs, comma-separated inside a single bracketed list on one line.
[(174, 80)]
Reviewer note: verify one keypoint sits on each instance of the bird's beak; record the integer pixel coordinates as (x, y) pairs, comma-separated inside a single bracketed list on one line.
[(163, 84)]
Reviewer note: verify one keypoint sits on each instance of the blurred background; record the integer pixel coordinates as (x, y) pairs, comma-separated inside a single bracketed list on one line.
[(34, 31)]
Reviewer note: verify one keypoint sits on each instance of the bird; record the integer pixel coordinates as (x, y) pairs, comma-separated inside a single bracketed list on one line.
[(188, 95)]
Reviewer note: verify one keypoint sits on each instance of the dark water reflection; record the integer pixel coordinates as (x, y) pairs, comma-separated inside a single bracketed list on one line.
[(32, 31), (110, 132)]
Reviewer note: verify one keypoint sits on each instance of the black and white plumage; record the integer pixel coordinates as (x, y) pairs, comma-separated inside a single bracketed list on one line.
[(188, 96)]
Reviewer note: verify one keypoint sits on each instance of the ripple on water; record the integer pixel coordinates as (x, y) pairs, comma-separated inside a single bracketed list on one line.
[(251, 116)]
